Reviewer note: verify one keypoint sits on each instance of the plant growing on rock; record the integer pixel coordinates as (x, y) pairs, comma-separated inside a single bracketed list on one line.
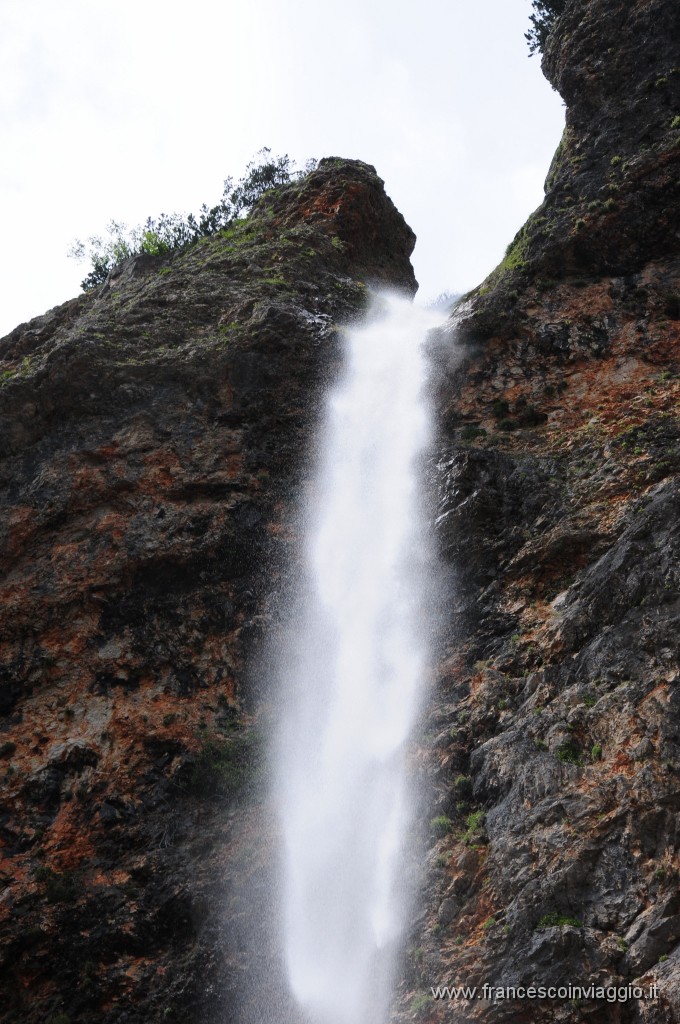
[(441, 825), (462, 786), (556, 920), (475, 832), (168, 232), (570, 753), (545, 14), (470, 431), (420, 1002)]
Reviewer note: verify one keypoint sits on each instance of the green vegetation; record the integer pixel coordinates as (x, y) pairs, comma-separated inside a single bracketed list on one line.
[(277, 281), (556, 920), (470, 431), (514, 253), (169, 232), (462, 787), (569, 752), (675, 123), (596, 752), (23, 370), (474, 832), (515, 259), (556, 160), (420, 1002), (441, 825), (545, 14)]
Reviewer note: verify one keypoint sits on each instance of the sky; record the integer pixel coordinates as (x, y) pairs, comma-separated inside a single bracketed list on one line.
[(125, 109)]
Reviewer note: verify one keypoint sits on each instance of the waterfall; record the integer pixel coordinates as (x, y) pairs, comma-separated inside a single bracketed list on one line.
[(354, 669)]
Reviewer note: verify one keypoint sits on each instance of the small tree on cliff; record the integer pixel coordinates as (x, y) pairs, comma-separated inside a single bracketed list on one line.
[(175, 230), (545, 14)]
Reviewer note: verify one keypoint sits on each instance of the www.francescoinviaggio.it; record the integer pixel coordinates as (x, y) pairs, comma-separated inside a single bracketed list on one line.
[(500, 993)]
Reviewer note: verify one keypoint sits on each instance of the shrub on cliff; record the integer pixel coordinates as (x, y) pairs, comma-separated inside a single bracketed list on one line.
[(542, 21), (175, 230)]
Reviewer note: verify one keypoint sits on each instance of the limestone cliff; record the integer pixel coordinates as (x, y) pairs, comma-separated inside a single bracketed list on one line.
[(152, 437), (555, 765), (151, 442)]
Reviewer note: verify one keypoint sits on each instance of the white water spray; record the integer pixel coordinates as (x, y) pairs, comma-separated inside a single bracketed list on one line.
[(355, 669)]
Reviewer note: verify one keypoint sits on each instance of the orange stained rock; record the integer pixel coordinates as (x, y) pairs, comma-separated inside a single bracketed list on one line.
[(20, 525), (163, 466), (115, 522), (85, 479)]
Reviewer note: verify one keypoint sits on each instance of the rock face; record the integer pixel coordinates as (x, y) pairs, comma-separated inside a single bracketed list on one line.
[(555, 854), (153, 438)]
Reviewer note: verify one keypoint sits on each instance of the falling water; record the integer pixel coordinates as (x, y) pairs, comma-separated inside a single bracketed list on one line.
[(355, 668)]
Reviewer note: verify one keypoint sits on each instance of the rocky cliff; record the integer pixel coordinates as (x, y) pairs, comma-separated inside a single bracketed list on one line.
[(152, 439), (554, 759)]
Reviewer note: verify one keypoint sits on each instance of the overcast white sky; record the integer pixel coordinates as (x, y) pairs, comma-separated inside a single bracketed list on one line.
[(126, 108)]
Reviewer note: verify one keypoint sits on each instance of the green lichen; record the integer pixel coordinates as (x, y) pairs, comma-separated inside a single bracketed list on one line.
[(441, 825), (556, 920)]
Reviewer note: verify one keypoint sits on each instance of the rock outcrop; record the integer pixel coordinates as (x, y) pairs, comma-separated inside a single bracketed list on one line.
[(555, 855), (153, 436)]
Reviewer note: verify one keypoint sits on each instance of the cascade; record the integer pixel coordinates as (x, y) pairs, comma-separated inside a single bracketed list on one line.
[(354, 669)]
